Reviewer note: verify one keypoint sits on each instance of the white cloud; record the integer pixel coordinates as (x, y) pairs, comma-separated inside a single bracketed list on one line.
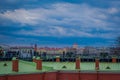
[(113, 10), (21, 16), (66, 11), (79, 19)]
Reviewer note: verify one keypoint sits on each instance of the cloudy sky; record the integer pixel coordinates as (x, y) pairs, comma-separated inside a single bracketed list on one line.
[(59, 22)]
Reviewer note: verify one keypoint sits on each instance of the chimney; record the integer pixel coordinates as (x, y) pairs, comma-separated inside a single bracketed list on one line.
[(114, 60), (15, 64), (78, 63), (96, 64), (38, 63), (57, 58), (34, 59)]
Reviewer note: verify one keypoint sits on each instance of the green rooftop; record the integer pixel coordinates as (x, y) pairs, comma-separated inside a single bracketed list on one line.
[(24, 67), (83, 66), (30, 67)]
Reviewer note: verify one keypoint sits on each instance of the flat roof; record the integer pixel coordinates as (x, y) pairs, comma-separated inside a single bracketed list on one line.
[(90, 66), (30, 67), (24, 67)]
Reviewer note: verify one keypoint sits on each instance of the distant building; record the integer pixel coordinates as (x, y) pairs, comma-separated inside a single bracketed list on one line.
[(26, 51), (75, 46), (80, 50), (22, 52), (49, 50), (71, 50), (115, 51), (103, 50), (90, 50)]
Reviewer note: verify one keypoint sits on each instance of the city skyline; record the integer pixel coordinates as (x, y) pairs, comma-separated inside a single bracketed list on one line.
[(59, 22)]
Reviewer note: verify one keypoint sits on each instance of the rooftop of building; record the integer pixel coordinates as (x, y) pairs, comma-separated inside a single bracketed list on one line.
[(30, 67), (24, 67)]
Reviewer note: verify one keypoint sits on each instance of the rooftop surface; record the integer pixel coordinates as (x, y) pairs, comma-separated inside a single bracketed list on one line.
[(24, 67), (83, 66), (30, 67)]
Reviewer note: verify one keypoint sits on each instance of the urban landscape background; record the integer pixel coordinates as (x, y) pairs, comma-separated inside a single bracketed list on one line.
[(87, 54)]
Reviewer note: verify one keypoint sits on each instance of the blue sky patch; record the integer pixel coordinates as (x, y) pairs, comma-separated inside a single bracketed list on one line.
[(59, 22)]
